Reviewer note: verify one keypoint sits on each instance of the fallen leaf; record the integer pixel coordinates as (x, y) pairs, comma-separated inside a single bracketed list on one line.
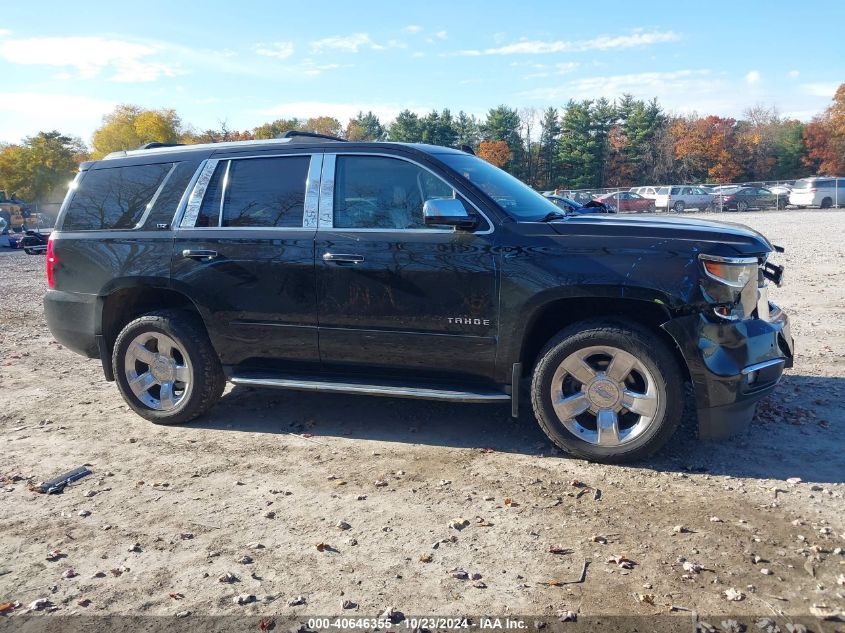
[(647, 598), (510, 502), (557, 549), (621, 561), (426, 558), (7, 607), (177, 596), (267, 624)]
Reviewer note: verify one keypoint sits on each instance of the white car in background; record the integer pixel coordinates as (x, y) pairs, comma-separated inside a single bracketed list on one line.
[(682, 197), (822, 192), (646, 192)]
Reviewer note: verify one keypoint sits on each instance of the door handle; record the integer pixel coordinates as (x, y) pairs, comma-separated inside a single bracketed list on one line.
[(341, 258), (199, 254)]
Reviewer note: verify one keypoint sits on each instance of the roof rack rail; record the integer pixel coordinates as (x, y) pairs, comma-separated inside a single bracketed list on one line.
[(156, 144), (314, 135)]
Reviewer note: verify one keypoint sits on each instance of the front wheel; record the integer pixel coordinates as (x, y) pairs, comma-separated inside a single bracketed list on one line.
[(679, 206), (165, 367), (607, 391)]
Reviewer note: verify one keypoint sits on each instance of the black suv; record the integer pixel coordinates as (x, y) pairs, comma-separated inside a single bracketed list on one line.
[(407, 270)]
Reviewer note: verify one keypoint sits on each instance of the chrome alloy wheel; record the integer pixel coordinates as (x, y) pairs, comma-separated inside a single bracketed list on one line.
[(604, 395), (158, 371)]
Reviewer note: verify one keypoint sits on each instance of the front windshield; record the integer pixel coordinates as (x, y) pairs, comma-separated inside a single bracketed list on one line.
[(515, 198)]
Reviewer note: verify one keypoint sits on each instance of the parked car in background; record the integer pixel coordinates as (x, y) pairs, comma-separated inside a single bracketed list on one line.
[(581, 197), (627, 201), (745, 198), (646, 192), (570, 206), (818, 192), (681, 197)]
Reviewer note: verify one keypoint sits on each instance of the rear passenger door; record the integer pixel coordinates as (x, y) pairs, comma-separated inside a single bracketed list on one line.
[(243, 253)]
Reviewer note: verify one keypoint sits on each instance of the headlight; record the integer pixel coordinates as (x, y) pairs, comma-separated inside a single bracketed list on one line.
[(732, 271)]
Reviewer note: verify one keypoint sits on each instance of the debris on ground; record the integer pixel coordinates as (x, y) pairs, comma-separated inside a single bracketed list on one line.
[(57, 484)]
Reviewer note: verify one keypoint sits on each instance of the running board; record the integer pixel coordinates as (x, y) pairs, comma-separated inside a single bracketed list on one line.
[(396, 390)]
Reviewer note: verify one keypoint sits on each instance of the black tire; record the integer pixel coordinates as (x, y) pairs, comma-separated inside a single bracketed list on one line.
[(652, 208), (742, 206), (207, 379), (679, 206), (826, 203), (781, 204), (631, 338)]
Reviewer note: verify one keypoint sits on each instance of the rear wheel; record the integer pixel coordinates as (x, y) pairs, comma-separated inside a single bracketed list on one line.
[(165, 367), (741, 206), (607, 391)]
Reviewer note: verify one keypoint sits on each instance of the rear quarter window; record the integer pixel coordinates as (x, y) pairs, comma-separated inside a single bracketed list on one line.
[(114, 198)]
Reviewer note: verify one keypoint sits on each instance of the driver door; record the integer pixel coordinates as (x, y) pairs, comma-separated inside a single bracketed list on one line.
[(395, 296)]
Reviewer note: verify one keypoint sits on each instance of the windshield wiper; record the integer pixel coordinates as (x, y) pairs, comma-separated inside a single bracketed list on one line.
[(553, 215)]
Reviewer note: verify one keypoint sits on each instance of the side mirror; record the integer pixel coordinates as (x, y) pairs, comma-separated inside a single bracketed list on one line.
[(447, 212)]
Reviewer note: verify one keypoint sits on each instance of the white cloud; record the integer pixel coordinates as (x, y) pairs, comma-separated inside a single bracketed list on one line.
[(793, 74), (24, 113), (600, 43), (5, 32), (91, 57), (352, 43), (820, 89), (341, 111), (753, 78), (418, 54), (441, 35), (412, 28), (279, 50), (646, 85)]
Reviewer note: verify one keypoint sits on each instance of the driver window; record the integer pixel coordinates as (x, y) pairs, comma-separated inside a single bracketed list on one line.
[(377, 192)]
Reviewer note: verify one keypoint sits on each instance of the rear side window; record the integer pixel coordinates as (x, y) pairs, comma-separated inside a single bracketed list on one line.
[(663, 191), (256, 192), (114, 198)]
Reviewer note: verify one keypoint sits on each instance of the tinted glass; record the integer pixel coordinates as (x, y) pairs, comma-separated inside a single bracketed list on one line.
[(114, 198), (663, 191), (511, 195), (375, 192), (266, 192), (209, 214)]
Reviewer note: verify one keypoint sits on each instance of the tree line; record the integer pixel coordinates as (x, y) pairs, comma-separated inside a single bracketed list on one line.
[(585, 144)]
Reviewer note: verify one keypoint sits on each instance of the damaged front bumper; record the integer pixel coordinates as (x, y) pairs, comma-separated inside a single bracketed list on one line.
[(732, 365)]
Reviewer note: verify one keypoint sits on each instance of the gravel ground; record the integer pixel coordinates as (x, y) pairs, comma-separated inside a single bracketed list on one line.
[(386, 485)]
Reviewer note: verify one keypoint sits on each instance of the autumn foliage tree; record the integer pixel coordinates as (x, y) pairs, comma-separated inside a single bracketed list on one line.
[(824, 137), (707, 148), (131, 126), (496, 153)]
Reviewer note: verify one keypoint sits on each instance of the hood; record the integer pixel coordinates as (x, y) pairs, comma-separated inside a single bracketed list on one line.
[(736, 236)]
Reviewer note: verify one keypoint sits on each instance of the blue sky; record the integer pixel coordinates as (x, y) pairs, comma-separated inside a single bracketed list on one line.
[(65, 64)]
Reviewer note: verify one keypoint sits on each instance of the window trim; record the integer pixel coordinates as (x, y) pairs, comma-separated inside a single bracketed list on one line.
[(326, 221), (198, 189)]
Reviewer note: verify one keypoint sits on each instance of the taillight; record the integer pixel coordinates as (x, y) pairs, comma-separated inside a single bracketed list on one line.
[(814, 190), (51, 263)]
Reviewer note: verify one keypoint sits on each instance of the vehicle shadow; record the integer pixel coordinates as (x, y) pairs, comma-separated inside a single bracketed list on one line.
[(784, 440)]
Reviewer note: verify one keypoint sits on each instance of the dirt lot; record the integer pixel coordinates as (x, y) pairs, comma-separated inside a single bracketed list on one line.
[(270, 474)]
